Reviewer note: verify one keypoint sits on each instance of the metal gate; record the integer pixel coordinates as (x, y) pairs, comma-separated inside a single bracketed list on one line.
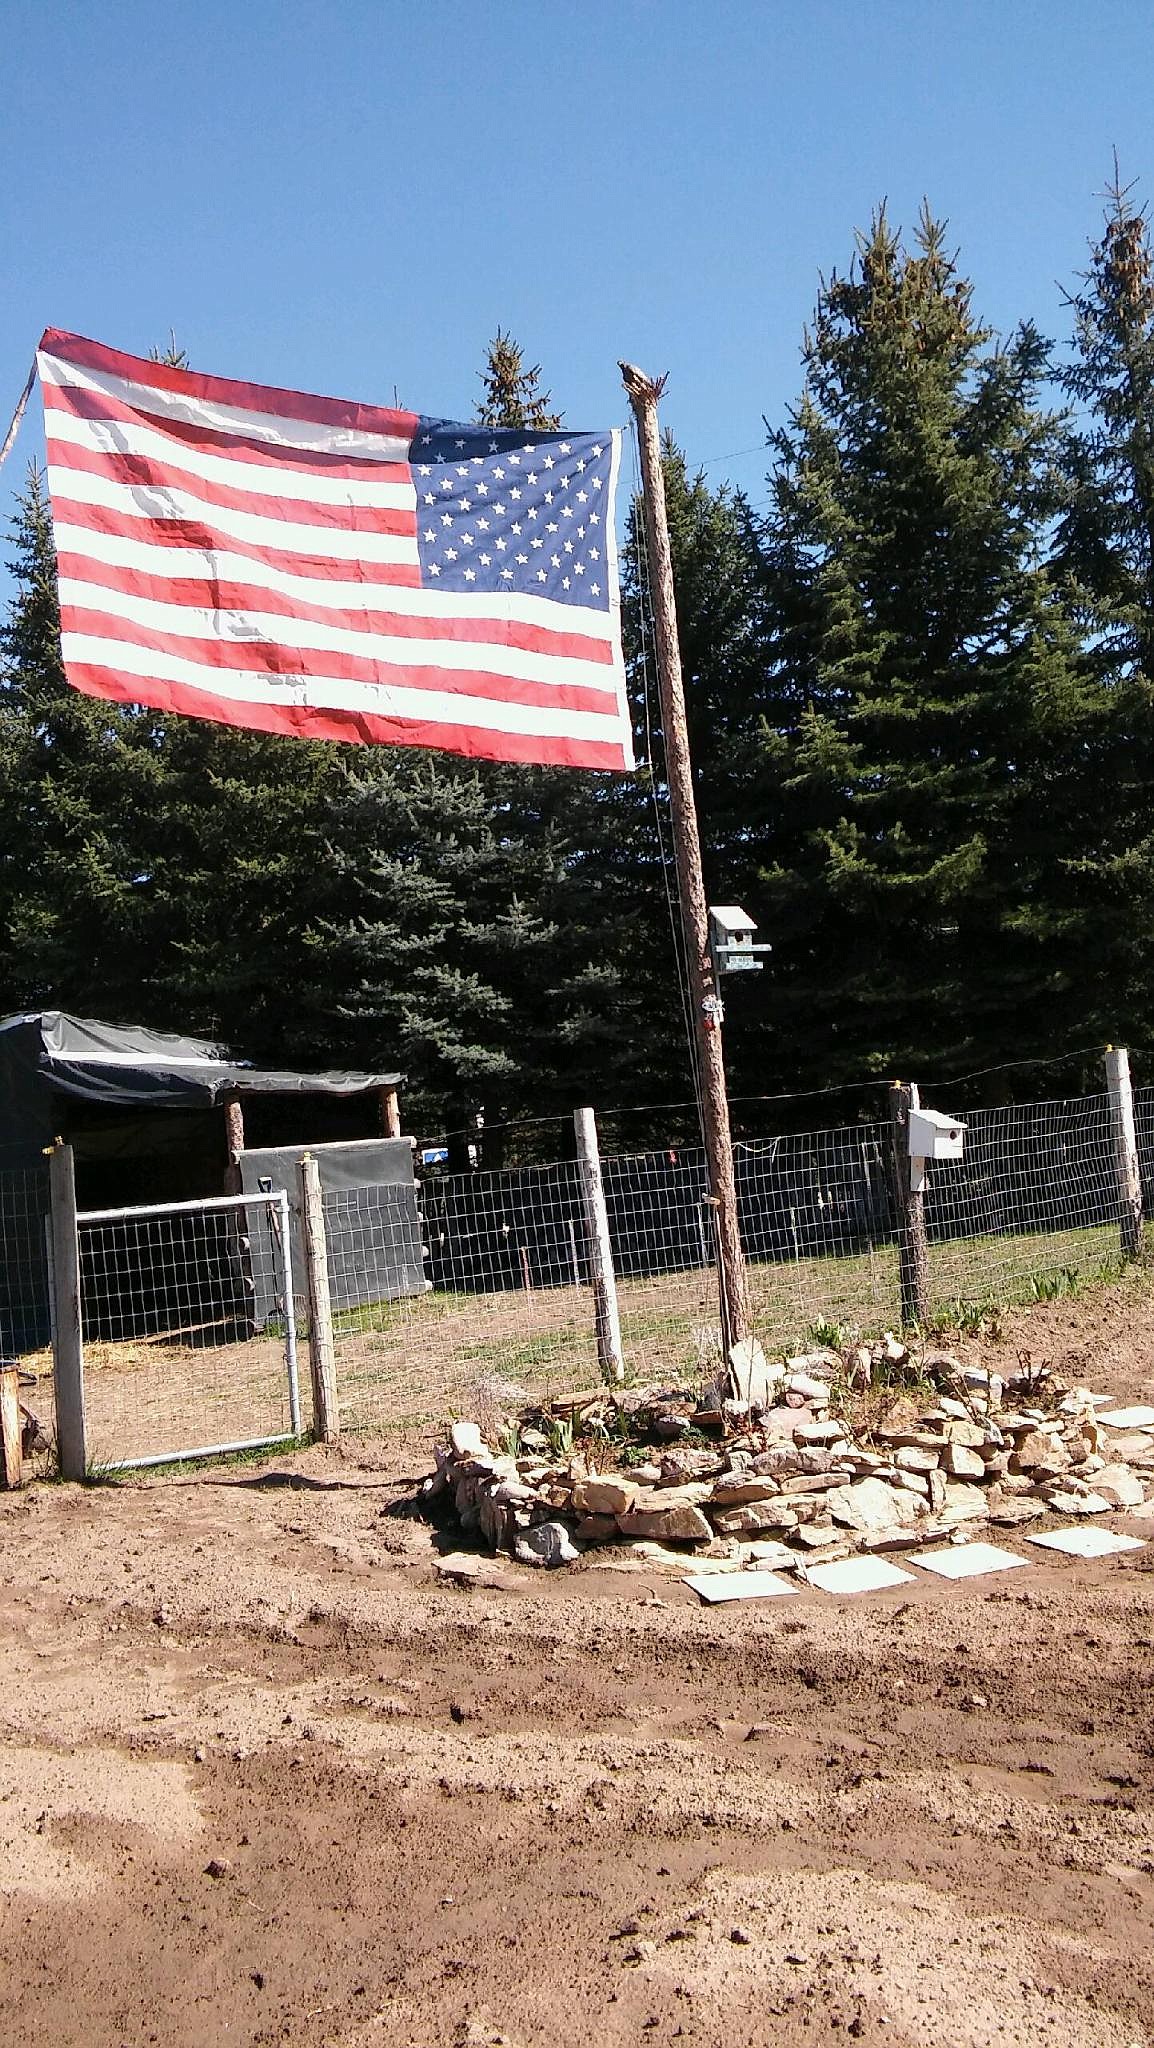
[(188, 1329)]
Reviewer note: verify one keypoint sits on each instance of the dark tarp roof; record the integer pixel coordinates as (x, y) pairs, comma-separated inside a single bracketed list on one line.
[(128, 1065)]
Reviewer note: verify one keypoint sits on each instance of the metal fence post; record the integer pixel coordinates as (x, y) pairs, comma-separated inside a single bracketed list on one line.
[(1127, 1169), (913, 1248), (67, 1330), (322, 1349), (607, 1320)]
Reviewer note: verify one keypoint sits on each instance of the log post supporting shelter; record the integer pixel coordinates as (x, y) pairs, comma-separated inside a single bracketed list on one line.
[(605, 1313), (644, 393), (1127, 1170), (913, 1246), (11, 1426), (234, 1140), (390, 1112), (67, 1325), (322, 1350)]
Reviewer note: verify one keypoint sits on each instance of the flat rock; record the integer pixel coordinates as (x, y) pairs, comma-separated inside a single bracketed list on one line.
[(818, 1432), (964, 1503), (916, 1458), (604, 1496), (754, 1515), (734, 1489), (683, 1524), (814, 1391), (869, 1506), (963, 1463), (1080, 1504), (1011, 1514), (1118, 1485)]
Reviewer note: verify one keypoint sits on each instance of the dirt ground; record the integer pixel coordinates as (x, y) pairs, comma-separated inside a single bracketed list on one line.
[(265, 1776)]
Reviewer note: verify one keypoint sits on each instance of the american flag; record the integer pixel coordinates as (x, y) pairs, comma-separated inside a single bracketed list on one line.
[(333, 570)]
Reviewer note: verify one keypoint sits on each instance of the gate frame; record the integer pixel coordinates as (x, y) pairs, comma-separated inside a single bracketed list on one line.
[(69, 1357)]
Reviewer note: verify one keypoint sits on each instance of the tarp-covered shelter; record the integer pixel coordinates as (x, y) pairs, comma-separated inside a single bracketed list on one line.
[(157, 1117)]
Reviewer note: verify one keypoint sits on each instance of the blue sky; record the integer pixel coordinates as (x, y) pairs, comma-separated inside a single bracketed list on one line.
[(350, 197)]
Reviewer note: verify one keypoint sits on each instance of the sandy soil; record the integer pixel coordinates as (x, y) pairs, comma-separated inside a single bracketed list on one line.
[(265, 1776)]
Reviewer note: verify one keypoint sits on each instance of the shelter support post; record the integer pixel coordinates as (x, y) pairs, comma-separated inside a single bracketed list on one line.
[(390, 1113), (68, 1329), (322, 1349), (605, 1313), (1127, 1170), (11, 1430), (234, 1141)]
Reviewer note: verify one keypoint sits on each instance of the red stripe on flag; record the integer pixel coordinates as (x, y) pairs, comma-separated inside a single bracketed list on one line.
[(266, 398), (96, 405), (145, 471), (325, 664), (215, 594), (306, 722)]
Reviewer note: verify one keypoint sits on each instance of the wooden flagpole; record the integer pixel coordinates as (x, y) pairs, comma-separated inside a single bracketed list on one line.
[(644, 393)]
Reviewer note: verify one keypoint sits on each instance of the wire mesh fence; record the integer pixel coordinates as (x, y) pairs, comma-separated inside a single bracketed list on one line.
[(508, 1309), (190, 1329), (477, 1292)]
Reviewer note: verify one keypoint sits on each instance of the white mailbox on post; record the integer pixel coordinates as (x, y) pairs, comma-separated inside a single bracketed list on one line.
[(933, 1135)]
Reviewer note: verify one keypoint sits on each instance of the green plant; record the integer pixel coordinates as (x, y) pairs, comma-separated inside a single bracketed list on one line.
[(967, 1317), (559, 1431), (828, 1335), (1054, 1284)]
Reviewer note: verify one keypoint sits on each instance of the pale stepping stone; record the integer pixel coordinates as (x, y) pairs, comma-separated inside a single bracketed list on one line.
[(1127, 1418), (1087, 1542), (740, 1586), (966, 1560), (857, 1575)]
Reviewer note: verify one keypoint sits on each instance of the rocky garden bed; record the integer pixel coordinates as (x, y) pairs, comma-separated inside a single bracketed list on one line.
[(873, 1448)]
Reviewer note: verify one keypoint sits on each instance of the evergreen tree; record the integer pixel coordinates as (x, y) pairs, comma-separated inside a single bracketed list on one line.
[(512, 395), (928, 763), (1104, 562)]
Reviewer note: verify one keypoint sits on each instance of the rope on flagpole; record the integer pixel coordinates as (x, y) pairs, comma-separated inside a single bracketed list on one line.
[(18, 415)]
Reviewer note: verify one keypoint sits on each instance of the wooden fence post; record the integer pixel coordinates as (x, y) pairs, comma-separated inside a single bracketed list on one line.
[(1127, 1170), (11, 1426), (606, 1318), (913, 1248), (68, 1329), (322, 1350)]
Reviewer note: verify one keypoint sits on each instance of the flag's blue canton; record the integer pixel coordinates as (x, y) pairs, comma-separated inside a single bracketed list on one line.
[(523, 512)]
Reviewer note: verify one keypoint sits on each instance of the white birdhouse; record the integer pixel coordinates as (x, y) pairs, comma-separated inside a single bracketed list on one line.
[(731, 932), (935, 1136)]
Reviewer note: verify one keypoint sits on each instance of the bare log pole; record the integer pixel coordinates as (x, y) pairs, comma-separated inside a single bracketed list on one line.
[(606, 1319), (1127, 1169), (68, 1331), (322, 1348), (390, 1113), (644, 393), (913, 1246)]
